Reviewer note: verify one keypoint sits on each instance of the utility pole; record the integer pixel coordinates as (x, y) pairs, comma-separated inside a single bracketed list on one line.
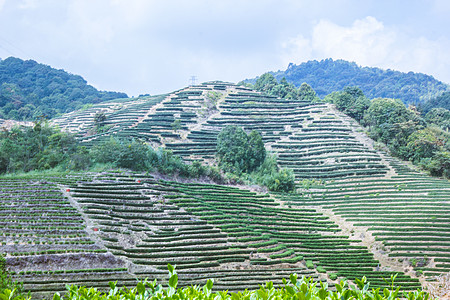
[(193, 80)]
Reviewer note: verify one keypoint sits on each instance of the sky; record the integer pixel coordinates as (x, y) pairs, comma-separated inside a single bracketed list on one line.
[(155, 46)]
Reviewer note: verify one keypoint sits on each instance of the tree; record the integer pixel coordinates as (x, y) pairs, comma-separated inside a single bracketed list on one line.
[(439, 116), (255, 151), (232, 149), (99, 120), (238, 152), (384, 114), (176, 125), (265, 83), (442, 101), (392, 123), (439, 165), (306, 92), (350, 101), (422, 144)]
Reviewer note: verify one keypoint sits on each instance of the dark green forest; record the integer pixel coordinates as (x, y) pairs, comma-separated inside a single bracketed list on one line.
[(29, 89), (330, 75)]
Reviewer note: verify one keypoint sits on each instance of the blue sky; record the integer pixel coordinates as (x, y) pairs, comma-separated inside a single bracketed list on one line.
[(155, 46)]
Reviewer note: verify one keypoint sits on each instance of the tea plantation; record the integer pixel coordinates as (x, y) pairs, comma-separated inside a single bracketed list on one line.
[(356, 211)]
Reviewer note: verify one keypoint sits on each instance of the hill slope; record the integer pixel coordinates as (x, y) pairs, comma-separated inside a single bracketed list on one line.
[(367, 215), (327, 76), (28, 89), (314, 140)]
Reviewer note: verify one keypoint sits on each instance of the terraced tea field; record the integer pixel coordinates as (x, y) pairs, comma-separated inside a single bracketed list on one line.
[(136, 225), (365, 214)]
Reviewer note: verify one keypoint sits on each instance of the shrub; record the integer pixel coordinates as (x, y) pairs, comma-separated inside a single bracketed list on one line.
[(275, 179), (332, 276), (320, 269)]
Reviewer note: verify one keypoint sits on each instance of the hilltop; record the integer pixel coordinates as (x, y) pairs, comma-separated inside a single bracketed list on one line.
[(328, 75), (29, 89)]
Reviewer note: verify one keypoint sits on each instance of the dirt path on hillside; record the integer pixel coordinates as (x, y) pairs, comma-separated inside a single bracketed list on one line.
[(65, 190), (360, 235), (361, 136)]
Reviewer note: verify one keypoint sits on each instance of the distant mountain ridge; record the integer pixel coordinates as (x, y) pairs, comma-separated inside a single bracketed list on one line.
[(29, 89), (328, 75)]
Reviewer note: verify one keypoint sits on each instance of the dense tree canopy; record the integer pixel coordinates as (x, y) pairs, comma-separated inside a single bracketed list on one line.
[(268, 84), (351, 101), (442, 101), (29, 89), (330, 75), (391, 122), (238, 152), (38, 148), (439, 116)]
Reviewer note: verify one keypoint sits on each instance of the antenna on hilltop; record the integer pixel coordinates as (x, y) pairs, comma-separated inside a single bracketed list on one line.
[(193, 80)]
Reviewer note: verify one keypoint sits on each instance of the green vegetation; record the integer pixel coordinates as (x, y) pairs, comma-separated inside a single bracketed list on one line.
[(440, 117), (424, 141), (271, 176), (237, 236), (294, 288), (238, 152), (328, 75), (442, 101), (408, 136), (138, 156), (9, 289), (268, 84), (350, 101), (245, 156), (29, 90), (40, 148)]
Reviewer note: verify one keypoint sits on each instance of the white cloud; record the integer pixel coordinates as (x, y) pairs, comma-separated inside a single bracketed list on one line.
[(296, 49), (2, 2), (369, 42)]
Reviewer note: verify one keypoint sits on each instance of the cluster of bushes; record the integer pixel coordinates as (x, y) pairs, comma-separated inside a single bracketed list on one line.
[(24, 149), (138, 156), (245, 156), (42, 147), (238, 152)]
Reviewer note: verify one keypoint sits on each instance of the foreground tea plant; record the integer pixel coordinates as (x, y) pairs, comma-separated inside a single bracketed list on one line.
[(295, 288)]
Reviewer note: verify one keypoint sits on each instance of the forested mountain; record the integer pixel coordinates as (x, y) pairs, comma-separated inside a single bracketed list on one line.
[(327, 76), (29, 89)]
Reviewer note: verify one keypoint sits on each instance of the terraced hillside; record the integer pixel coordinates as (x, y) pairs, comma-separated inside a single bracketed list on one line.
[(128, 226), (366, 213), (314, 140), (317, 142)]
